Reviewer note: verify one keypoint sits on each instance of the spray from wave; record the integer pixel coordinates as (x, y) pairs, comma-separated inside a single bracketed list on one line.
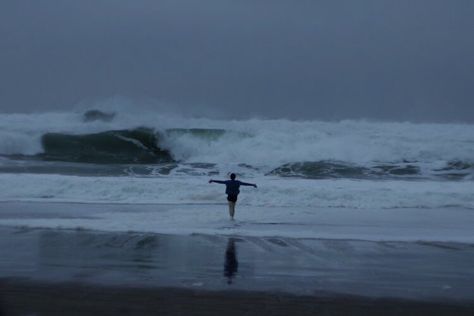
[(150, 144)]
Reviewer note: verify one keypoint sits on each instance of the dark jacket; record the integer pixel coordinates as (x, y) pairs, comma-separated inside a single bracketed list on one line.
[(232, 186)]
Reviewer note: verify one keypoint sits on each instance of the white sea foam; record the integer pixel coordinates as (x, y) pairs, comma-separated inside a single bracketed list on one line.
[(440, 225), (274, 192), (330, 208), (262, 142)]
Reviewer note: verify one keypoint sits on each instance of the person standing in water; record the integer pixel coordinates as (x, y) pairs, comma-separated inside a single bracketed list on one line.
[(232, 191)]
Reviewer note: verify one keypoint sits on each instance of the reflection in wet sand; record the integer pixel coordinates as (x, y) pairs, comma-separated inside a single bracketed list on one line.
[(231, 264)]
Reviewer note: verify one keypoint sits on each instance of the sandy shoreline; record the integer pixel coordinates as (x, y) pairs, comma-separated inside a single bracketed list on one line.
[(122, 270), (95, 272), (29, 298)]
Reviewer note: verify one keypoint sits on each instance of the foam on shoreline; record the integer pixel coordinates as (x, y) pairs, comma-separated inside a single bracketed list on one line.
[(272, 191), (410, 225)]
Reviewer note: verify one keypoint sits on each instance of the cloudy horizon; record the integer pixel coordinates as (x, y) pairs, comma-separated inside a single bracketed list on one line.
[(382, 60)]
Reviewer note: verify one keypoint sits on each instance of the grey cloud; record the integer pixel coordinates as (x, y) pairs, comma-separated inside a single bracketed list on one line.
[(379, 59)]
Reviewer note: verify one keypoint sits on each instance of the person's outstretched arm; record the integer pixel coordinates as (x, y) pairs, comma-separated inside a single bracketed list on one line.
[(217, 181), (248, 184)]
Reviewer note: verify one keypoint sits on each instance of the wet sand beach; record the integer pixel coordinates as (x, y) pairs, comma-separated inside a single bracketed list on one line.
[(83, 272), (23, 298)]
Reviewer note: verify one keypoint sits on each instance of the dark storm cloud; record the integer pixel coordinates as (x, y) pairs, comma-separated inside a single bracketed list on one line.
[(380, 59)]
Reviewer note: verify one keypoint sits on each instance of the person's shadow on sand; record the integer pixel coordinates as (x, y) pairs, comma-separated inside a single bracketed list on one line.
[(231, 264)]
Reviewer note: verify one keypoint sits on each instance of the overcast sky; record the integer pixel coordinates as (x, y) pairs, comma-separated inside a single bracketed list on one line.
[(299, 59)]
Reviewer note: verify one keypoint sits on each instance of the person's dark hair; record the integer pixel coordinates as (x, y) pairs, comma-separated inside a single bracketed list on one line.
[(232, 176)]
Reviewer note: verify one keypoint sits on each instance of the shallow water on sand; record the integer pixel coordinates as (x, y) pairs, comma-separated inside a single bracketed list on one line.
[(410, 270)]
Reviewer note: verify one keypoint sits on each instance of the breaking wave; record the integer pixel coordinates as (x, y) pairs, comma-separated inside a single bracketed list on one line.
[(453, 170), (135, 146), (329, 169), (124, 146), (152, 144)]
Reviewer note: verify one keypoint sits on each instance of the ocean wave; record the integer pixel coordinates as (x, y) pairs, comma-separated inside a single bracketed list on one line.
[(331, 169), (271, 192), (321, 170), (139, 145), (97, 115), (310, 149), (134, 146), (452, 170), (302, 170)]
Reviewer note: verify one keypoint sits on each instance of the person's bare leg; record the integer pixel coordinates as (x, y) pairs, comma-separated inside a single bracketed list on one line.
[(231, 209)]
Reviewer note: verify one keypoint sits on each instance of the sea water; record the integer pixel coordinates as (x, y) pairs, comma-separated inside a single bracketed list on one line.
[(152, 158)]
